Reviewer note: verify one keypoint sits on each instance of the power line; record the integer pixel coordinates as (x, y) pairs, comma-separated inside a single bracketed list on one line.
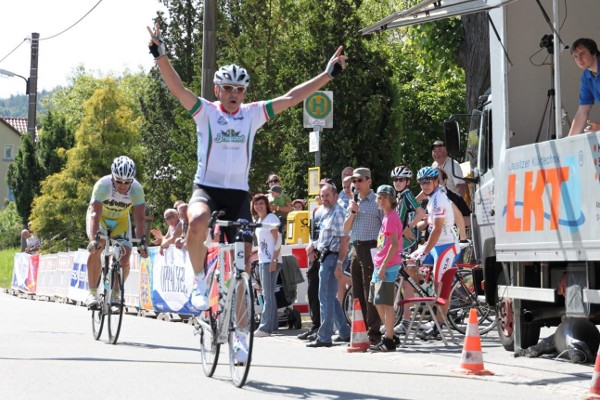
[(13, 50), (78, 21)]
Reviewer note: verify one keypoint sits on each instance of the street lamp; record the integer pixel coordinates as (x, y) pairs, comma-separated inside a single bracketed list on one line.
[(30, 121), (11, 74)]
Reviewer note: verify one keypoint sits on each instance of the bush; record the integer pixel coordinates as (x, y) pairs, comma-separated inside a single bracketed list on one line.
[(10, 227)]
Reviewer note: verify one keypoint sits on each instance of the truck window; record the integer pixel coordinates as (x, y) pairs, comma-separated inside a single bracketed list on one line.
[(486, 134)]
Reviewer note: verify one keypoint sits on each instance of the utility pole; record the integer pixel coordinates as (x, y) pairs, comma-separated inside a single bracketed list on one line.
[(209, 49), (32, 86)]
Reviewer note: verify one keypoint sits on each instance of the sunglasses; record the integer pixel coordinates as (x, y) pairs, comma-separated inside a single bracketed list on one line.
[(233, 89), (169, 216), (423, 182), (273, 181), (400, 179), (359, 180), (118, 182)]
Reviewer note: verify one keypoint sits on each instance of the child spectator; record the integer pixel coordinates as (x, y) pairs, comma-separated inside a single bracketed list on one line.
[(386, 262)]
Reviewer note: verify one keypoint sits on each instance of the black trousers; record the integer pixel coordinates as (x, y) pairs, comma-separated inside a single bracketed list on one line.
[(362, 271), (312, 276)]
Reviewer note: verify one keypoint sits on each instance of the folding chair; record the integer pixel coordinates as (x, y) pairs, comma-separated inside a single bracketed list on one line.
[(423, 306)]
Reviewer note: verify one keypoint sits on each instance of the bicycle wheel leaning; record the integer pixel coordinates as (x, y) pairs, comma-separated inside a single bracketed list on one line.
[(462, 298), (209, 347), (115, 301), (241, 335), (98, 311)]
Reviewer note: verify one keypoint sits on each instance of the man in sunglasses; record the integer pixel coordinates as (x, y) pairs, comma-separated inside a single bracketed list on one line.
[(113, 197), (364, 221), (225, 130)]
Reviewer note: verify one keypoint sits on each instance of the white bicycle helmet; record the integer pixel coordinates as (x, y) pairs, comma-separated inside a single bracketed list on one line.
[(123, 168), (232, 75), (401, 172)]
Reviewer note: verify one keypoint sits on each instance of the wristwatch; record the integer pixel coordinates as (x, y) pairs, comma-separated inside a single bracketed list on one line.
[(340, 261)]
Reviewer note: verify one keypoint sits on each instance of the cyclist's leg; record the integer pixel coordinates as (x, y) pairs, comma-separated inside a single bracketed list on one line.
[(199, 209), (123, 228), (94, 262), (443, 259)]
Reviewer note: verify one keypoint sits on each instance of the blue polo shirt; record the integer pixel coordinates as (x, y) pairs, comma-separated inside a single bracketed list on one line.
[(590, 87)]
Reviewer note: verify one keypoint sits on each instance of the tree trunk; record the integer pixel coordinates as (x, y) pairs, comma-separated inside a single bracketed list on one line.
[(474, 57)]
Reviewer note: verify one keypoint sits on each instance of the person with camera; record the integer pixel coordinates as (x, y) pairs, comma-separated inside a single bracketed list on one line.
[(331, 246)]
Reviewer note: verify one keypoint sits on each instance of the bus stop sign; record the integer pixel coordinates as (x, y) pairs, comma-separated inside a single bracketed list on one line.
[(318, 110)]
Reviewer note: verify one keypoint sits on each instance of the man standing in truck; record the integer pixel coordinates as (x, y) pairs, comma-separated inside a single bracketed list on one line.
[(585, 53)]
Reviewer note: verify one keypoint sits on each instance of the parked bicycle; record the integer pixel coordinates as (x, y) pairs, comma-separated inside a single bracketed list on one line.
[(231, 316), (464, 296), (111, 293)]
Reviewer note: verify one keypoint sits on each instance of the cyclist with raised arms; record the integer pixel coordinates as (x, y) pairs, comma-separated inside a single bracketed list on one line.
[(225, 132), (441, 246), (113, 197)]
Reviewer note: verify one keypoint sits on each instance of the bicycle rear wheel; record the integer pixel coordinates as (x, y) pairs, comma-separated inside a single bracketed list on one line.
[(116, 305), (209, 347), (241, 335), (462, 299), (98, 312)]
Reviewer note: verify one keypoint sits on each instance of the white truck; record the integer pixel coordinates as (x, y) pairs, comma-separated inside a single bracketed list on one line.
[(535, 193)]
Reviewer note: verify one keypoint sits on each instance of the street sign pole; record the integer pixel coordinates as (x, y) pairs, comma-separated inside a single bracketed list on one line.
[(318, 152)]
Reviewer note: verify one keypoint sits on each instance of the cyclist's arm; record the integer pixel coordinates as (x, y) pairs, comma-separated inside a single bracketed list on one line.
[(95, 219), (302, 91), (138, 216), (420, 214), (459, 221), (185, 96)]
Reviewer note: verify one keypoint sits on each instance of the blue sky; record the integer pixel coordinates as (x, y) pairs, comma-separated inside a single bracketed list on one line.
[(112, 38)]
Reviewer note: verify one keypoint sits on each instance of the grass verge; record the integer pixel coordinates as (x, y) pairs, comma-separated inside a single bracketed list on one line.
[(7, 257)]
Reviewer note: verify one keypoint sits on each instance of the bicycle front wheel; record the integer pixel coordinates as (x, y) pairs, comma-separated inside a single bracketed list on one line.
[(98, 312), (462, 299), (241, 335), (209, 347), (116, 305)]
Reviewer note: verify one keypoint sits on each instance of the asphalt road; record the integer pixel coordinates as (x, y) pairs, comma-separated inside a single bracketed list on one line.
[(47, 352)]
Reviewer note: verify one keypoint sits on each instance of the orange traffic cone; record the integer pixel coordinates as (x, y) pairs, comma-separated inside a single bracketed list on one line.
[(359, 340), (471, 362), (594, 392)]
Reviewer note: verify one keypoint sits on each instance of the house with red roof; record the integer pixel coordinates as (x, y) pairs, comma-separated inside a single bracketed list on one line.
[(11, 130)]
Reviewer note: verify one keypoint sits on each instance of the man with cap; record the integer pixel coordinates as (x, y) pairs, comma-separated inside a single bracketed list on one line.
[(364, 221), (346, 191), (441, 159)]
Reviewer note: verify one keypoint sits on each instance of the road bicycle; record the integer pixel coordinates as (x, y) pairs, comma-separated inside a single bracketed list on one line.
[(464, 296), (111, 293), (231, 315)]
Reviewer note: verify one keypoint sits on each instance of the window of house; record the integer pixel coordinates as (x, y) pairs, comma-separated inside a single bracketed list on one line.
[(9, 153)]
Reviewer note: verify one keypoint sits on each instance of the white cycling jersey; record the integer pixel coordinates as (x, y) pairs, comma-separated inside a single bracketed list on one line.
[(225, 142), (439, 206)]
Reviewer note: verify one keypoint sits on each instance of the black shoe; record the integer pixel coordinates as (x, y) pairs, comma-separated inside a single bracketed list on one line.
[(305, 335), (339, 339), (385, 345), (396, 340), (312, 337), (316, 343)]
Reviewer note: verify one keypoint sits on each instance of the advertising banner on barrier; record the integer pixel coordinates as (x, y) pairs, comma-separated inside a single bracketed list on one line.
[(172, 282), (25, 271), (146, 279), (78, 284)]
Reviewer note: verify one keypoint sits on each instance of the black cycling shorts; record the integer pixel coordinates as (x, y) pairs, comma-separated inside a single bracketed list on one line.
[(235, 203)]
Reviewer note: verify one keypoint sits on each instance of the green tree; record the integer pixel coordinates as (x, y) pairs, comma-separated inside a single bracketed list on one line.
[(10, 226), (24, 176), (109, 128), (55, 139)]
